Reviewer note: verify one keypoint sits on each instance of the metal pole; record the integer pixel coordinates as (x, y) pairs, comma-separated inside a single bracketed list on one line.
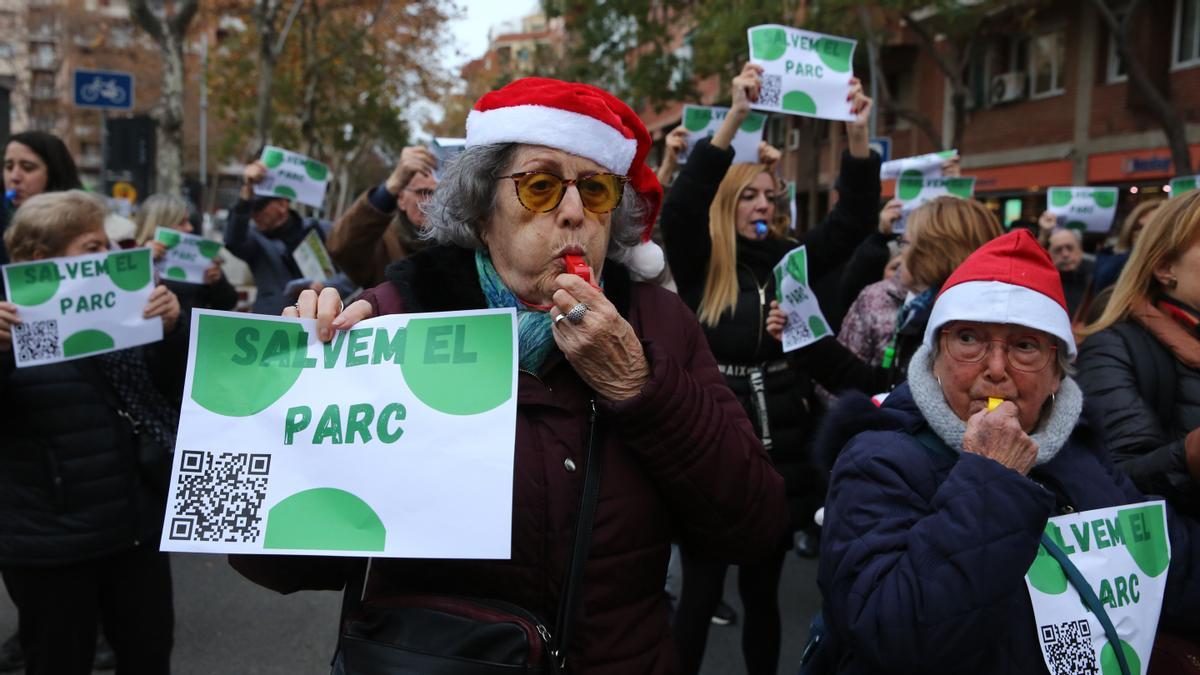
[(203, 117), (103, 189), (873, 63)]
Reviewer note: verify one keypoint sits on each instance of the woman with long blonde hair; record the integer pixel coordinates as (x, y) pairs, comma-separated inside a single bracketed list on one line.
[(1140, 362), (722, 247), (172, 212)]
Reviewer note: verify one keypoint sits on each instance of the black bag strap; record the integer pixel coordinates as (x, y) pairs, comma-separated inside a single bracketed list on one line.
[(568, 604)]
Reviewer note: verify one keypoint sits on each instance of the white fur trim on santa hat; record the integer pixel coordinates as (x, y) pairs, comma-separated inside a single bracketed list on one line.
[(564, 130), (646, 261), (998, 302)]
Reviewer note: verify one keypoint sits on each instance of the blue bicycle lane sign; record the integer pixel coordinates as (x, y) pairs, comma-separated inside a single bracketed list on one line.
[(104, 89)]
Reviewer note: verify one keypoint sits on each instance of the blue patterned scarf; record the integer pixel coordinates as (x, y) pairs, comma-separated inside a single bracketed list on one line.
[(533, 325)]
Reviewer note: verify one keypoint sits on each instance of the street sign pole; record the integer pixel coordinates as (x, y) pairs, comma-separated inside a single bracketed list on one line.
[(103, 149)]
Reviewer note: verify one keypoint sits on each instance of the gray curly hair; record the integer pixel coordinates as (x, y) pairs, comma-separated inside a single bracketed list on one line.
[(466, 198)]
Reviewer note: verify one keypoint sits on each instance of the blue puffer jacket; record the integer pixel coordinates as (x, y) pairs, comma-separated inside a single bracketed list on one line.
[(923, 559)]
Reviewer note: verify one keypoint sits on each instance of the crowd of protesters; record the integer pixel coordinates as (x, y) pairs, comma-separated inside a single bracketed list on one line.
[(983, 380)]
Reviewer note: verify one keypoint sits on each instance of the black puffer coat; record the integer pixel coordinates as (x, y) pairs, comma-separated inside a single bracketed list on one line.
[(71, 489), (1149, 403), (741, 339)]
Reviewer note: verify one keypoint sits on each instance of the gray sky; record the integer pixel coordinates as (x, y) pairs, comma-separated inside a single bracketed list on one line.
[(478, 16)]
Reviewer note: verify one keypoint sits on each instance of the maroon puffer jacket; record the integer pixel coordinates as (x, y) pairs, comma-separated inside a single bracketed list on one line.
[(681, 459)]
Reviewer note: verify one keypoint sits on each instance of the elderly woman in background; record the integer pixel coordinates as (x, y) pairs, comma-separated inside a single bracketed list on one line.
[(79, 516), (938, 503), (553, 171), (171, 212), (1140, 362)]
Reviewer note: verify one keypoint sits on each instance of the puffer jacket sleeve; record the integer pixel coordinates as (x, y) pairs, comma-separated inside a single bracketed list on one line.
[(685, 215), (695, 440), (914, 573), (1130, 426)]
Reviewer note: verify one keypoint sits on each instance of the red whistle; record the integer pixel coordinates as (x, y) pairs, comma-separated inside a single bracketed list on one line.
[(577, 266)]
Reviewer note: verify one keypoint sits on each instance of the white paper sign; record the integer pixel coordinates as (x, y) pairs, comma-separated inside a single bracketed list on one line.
[(313, 259), (396, 439), (702, 121), (1181, 185), (914, 190), (1090, 209), (1123, 552), (72, 308), (929, 165), (805, 322), (294, 176), (804, 73), (187, 256)]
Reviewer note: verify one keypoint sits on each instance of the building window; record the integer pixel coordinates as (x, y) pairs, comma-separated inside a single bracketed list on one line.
[(1047, 54), (1115, 65), (7, 51), (1187, 33)]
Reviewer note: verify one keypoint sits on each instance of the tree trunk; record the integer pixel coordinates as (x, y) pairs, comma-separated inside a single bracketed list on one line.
[(266, 81), (1139, 79)]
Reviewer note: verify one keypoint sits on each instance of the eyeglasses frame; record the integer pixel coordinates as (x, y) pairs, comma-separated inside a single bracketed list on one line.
[(945, 332), (567, 183)]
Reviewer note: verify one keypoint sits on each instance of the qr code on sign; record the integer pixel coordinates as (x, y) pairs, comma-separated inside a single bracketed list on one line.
[(772, 88), (1068, 648), (219, 496), (37, 340)]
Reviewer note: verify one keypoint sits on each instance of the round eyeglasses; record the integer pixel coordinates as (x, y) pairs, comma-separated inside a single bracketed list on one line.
[(1027, 353), (541, 191)]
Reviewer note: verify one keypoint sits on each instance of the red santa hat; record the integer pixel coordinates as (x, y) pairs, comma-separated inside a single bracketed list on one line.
[(1010, 279), (582, 120)]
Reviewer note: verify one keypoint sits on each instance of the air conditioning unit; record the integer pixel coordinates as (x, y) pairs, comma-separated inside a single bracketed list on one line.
[(1006, 87)]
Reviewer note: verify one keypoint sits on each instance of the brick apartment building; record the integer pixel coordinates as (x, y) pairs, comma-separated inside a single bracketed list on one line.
[(1051, 106), (42, 42)]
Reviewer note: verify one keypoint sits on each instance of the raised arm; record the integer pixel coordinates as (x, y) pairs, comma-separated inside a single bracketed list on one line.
[(237, 231)]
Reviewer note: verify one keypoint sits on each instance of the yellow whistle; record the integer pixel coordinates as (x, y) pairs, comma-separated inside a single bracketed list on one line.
[(994, 403)]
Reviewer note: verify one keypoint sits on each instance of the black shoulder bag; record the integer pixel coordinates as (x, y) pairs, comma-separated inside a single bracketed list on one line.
[(424, 634)]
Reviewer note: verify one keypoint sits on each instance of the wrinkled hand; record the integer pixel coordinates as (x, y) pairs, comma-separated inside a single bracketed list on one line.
[(602, 347), (8, 318), (889, 215), (768, 155), (157, 249), (213, 274), (326, 308), (952, 168), (998, 435), (415, 159), (776, 321), (162, 303), (676, 142), (858, 131), (745, 89)]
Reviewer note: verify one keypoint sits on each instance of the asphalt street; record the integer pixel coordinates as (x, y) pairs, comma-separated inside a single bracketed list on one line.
[(225, 625)]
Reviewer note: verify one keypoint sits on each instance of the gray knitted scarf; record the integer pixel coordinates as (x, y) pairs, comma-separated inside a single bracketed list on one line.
[(1051, 434)]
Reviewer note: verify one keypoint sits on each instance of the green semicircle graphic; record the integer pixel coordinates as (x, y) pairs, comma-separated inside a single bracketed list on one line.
[(324, 519), (798, 101), (86, 342), (176, 273)]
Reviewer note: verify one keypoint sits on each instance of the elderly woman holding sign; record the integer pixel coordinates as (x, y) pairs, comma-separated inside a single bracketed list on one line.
[(80, 500), (961, 512), (543, 212)]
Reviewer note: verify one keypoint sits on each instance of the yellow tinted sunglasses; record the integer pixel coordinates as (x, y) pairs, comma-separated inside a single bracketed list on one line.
[(541, 191)]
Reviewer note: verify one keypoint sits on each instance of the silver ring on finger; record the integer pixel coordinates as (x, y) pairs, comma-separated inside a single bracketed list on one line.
[(575, 314), (558, 318)]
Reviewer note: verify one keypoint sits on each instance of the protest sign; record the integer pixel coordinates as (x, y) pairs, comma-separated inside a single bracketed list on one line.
[(1123, 553), (805, 322), (75, 307), (914, 190), (187, 256), (1181, 185), (394, 439), (804, 73), (446, 149), (313, 259), (929, 165), (1087, 209), (702, 121), (294, 176)]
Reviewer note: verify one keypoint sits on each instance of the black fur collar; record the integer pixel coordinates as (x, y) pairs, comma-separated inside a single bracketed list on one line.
[(443, 279)]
